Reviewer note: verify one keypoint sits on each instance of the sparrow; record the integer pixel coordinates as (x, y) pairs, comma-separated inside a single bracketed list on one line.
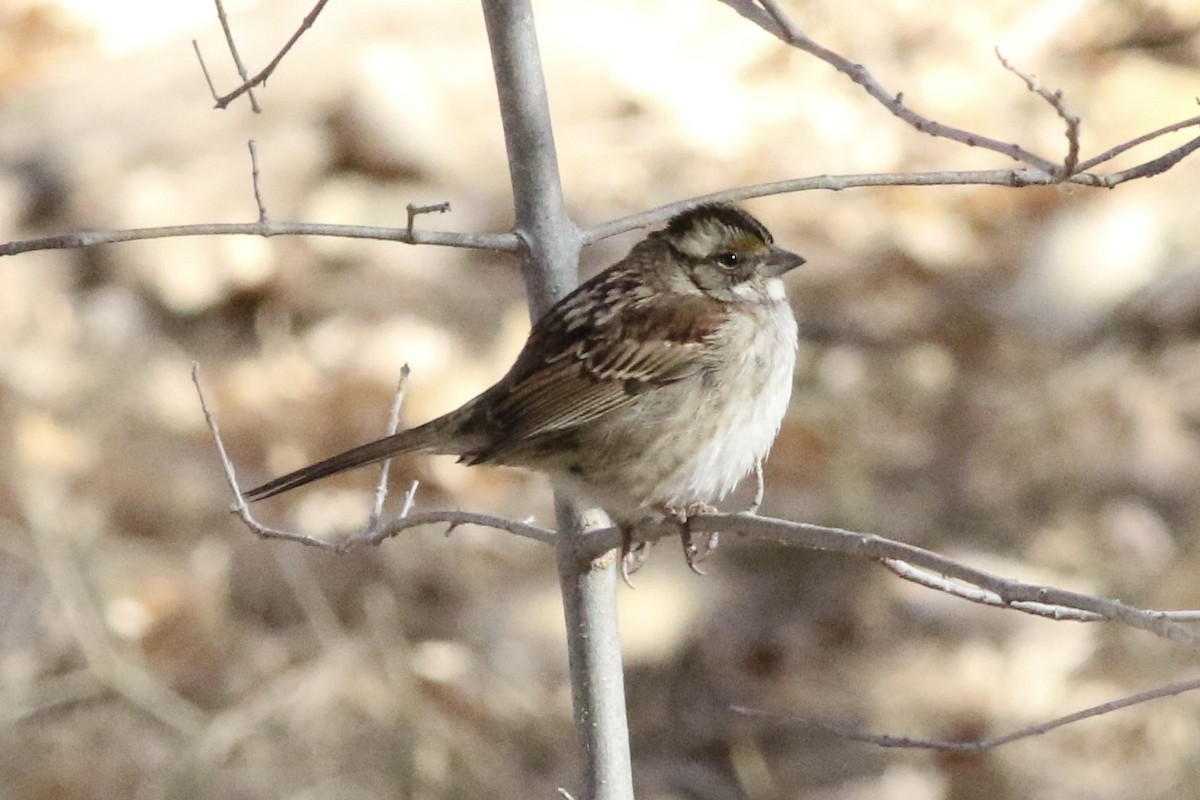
[(650, 391)]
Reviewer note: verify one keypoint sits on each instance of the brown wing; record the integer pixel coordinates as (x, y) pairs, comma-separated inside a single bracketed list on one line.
[(554, 386)]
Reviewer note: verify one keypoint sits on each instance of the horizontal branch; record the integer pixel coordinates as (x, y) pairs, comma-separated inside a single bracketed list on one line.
[(1017, 177), (343, 543), (1110, 154), (504, 242), (832, 183), (973, 594), (1173, 689), (980, 586), (1010, 592)]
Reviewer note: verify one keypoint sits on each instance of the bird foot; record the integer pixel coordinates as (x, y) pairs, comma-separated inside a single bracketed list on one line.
[(694, 552), (633, 554)]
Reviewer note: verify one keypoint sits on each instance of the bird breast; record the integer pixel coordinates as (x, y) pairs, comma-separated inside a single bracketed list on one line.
[(694, 440)]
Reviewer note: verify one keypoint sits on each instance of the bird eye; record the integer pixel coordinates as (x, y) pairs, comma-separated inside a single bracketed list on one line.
[(729, 260)]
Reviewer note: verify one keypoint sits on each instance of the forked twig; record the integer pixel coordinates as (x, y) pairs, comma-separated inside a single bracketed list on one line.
[(237, 59), (787, 30), (248, 84), (974, 594), (1055, 99), (1110, 154), (365, 536)]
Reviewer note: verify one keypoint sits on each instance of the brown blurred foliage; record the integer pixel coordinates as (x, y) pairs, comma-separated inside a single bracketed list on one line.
[(1011, 377)]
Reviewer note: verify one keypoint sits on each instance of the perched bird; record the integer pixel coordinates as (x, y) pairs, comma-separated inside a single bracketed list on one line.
[(652, 389)]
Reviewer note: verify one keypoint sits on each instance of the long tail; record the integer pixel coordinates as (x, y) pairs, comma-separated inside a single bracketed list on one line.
[(424, 437)]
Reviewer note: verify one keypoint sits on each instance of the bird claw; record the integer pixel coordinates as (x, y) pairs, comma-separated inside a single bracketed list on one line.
[(695, 549), (633, 555), (693, 552)]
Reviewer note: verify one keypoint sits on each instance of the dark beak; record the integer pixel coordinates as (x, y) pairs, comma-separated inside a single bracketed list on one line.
[(781, 261)]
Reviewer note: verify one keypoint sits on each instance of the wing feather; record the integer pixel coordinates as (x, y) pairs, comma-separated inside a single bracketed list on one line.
[(552, 389)]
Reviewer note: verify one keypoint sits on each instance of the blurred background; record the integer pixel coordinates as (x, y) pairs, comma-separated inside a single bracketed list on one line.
[(1011, 377)]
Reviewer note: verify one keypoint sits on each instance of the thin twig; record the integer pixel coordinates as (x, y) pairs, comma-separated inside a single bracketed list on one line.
[(261, 77), (791, 33), (833, 183), (237, 59), (415, 210), (393, 425), (204, 68), (500, 242), (1055, 99), (1112, 153), (258, 199), (981, 745), (974, 594), (353, 540), (1153, 167), (752, 11), (1015, 177), (410, 498)]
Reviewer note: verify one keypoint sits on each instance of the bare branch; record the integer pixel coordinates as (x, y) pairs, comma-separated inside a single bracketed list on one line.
[(588, 584), (367, 536), (869, 546), (455, 518), (1015, 177), (500, 242), (974, 594), (1153, 167), (833, 183), (410, 498), (237, 59), (262, 209), (204, 68), (1009, 591), (982, 745), (381, 490), (752, 11), (1108, 155), (789, 32), (510, 242), (249, 83), (1056, 101)]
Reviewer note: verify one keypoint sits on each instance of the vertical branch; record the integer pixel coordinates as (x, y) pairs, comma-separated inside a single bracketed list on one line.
[(551, 239), (552, 244)]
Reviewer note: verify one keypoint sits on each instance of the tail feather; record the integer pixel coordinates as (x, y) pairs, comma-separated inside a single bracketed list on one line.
[(425, 437)]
